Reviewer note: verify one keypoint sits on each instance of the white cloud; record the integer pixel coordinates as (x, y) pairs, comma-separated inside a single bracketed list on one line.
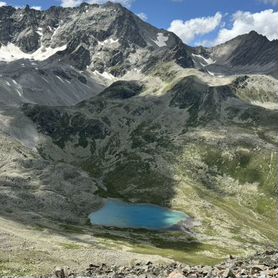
[(272, 2), (264, 22), (75, 3), (143, 16), (36, 8), (70, 3), (189, 30), (3, 4)]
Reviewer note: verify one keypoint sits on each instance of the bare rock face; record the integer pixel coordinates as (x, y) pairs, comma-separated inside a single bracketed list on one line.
[(105, 37), (96, 42), (245, 54)]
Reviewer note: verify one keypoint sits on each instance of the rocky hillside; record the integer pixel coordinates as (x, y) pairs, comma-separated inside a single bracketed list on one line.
[(245, 54), (260, 265), (54, 84), (191, 146), (43, 54), (106, 38), (258, 90)]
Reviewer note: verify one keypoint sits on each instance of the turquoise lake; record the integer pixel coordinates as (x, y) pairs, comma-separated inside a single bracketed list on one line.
[(116, 213)]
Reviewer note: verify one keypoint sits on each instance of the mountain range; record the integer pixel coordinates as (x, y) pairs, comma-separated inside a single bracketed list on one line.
[(96, 103)]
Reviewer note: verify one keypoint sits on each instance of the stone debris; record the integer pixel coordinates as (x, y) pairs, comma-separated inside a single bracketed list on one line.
[(263, 265)]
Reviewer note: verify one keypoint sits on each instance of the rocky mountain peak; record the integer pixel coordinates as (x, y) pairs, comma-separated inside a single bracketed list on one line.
[(112, 41), (247, 53), (254, 35), (106, 38)]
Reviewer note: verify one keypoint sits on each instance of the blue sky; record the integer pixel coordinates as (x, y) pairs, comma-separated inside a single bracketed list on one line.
[(162, 12), (196, 21)]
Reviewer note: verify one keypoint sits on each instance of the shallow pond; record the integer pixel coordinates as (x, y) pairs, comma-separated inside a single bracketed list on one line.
[(116, 213)]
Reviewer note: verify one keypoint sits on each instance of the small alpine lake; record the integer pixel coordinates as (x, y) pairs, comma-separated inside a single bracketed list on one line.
[(119, 214)]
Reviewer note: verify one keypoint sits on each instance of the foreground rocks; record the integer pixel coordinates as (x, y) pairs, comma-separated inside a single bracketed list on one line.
[(261, 266)]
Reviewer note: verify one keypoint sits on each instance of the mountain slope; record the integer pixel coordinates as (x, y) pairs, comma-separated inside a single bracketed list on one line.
[(104, 37), (96, 104), (54, 84), (246, 54), (70, 54), (258, 90), (197, 148), (64, 55)]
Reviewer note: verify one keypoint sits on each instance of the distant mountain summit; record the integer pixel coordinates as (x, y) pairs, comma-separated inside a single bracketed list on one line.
[(106, 38), (111, 40), (62, 56), (249, 53)]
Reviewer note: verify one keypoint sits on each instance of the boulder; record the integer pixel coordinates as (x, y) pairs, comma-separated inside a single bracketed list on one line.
[(176, 274)]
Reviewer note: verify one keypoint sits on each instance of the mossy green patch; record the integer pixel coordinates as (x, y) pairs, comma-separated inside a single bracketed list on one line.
[(70, 246), (245, 165), (71, 228)]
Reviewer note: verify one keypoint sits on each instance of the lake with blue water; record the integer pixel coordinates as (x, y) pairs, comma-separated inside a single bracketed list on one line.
[(116, 213)]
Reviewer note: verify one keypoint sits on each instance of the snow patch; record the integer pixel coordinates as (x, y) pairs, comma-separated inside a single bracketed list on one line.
[(11, 52), (208, 61), (39, 31), (19, 93), (45, 79), (211, 73), (105, 75), (267, 105), (60, 78), (108, 41), (161, 40)]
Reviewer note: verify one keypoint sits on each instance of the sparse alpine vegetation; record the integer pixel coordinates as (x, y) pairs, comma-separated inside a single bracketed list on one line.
[(96, 104)]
